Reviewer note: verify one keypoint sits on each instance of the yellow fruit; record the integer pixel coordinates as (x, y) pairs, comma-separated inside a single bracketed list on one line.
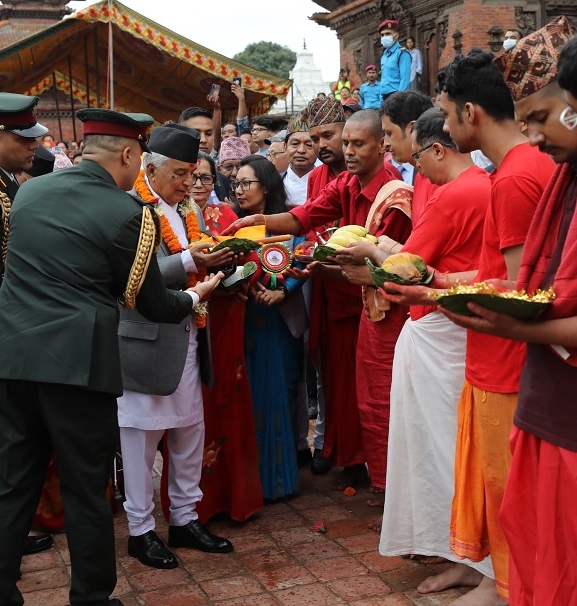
[(371, 238), (334, 245), (406, 265), (358, 230), (342, 239)]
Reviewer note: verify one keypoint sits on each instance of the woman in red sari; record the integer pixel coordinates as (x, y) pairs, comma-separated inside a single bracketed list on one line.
[(230, 479)]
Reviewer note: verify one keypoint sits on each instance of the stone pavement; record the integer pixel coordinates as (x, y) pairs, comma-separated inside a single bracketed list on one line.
[(277, 561)]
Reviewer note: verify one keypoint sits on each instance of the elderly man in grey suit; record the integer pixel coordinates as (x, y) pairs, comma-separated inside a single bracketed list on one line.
[(161, 366)]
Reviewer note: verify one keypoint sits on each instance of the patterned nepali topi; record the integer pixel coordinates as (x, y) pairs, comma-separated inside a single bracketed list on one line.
[(297, 124), (532, 64), (323, 111), (233, 148)]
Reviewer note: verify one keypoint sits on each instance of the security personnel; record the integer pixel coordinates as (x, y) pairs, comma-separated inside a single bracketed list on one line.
[(78, 243), (18, 132), (395, 61)]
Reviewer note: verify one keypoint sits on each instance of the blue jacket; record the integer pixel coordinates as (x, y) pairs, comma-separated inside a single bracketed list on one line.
[(395, 69), (371, 96)]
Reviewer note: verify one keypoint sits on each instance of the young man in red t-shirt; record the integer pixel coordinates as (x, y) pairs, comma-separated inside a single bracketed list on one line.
[(479, 114)]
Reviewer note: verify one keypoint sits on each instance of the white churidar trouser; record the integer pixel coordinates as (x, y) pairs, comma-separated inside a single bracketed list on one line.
[(186, 447)]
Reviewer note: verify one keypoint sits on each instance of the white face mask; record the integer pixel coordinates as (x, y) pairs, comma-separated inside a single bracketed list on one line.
[(387, 41), (509, 44)]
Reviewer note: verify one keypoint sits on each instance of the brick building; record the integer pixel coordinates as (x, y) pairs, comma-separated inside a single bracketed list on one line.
[(441, 28)]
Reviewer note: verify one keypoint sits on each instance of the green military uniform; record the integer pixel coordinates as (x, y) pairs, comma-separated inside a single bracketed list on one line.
[(17, 115), (73, 240)]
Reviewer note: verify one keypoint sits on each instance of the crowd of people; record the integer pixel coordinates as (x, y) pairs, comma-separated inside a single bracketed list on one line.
[(129, 327)]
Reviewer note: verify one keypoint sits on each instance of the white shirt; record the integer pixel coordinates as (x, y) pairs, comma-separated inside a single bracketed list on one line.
[(296, 187)]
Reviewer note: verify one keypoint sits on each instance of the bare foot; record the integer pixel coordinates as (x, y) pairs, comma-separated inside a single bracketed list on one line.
[(457, 575), (483, 595), (375, 526), (379, 499), (431, 559), (350, 476)]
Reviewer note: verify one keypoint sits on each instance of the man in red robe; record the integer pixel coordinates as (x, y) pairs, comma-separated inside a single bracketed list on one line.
[(349, 198)]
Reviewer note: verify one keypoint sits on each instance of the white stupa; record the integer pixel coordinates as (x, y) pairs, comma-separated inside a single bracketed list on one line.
[(307, 84)]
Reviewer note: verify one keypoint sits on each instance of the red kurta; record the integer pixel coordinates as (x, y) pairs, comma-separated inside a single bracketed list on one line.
[(230, 480)]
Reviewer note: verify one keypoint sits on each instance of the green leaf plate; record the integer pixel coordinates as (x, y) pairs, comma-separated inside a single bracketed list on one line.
[(380, 276), (237, 245), (242, 275), (518, 308), (322, 253)]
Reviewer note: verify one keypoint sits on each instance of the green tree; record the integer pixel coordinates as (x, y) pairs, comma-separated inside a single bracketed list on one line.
[(268, 57)]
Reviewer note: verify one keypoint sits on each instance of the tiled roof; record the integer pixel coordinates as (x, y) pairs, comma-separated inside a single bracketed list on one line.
[(11, 32)]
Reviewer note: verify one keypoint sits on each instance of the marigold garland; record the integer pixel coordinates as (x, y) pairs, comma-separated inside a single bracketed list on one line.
[(187, 209)]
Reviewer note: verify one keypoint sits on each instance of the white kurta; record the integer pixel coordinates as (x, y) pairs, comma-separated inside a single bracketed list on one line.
[(183, 407), (428, 375), (295, 187)]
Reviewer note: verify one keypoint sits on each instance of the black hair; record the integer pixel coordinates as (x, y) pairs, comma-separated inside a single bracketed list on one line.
[(244, 131), (264, 121), (76, 155), (476, 79), (405, 106), (204, 156), (192, 112), (231, 124), (346, 88), (567, 67), (411, 38), (514, 29), (270, 180), (429, 128)]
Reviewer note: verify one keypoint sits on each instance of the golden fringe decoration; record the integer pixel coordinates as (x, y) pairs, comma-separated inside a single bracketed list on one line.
[(144, 252), (6, 206)]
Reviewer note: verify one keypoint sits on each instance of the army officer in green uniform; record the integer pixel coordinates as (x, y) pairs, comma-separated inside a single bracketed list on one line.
[(77, 244)]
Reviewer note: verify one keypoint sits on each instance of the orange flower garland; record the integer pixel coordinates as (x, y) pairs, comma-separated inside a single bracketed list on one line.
[(187, 210)]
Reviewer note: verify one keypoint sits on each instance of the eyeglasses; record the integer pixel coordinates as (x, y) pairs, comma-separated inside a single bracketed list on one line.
[(568, 118), (257, 129), (273, 155), (244, 185), (204, 179), (229, 167), (416, 155)]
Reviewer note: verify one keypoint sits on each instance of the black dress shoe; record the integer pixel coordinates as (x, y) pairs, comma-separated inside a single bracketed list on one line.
[(320, 464), (151, 551), (195, 535), (37, 543), (304, 457)]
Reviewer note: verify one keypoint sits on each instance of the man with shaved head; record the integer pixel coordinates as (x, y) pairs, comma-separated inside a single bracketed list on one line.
[(350, 197)]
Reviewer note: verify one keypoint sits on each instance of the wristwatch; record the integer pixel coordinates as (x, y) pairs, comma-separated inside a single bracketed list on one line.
[(284, 289)]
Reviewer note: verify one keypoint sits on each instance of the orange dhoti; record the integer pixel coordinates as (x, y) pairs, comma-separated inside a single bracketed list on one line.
[(482, 463)]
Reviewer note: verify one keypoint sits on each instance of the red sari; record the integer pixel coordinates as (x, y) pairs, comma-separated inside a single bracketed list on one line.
[(230, 480)]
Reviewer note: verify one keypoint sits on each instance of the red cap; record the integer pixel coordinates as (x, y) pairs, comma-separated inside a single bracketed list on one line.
[(388, 24), (371, 66)]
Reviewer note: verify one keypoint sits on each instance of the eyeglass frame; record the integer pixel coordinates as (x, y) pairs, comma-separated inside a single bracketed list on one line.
[(416, 155), (273, 155), (196, 178), (234, 184), (229, 167), (258, 129), (568, 118)]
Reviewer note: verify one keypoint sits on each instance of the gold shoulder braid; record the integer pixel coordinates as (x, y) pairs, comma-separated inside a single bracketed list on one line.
[(6, 205), (148, 243)]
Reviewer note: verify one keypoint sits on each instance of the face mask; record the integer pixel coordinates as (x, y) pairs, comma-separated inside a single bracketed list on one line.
[(509, 43), (387, 41)]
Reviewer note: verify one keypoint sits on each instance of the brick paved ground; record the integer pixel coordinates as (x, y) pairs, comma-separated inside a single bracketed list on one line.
[(277, 561)]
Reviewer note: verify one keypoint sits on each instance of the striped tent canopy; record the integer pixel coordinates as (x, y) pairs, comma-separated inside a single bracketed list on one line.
[(154, 70)]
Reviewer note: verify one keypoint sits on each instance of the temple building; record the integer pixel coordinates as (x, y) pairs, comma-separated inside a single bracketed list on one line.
[(442, 28)]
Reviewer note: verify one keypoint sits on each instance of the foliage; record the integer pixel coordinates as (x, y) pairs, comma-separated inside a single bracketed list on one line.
[(268, 57)]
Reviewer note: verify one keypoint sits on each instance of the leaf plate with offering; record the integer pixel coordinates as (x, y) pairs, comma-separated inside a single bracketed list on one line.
[(405, 269), (516, 303), (304, 252), (241, 275)]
